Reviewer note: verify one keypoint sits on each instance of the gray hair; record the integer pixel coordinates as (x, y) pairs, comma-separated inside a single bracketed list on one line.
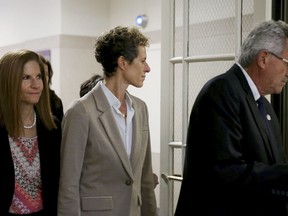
[(269, 35)]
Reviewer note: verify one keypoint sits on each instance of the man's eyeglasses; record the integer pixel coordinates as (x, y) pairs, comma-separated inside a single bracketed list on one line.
[(283, 59)]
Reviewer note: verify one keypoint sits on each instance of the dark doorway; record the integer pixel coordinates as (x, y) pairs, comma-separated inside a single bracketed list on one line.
[(280, 101)]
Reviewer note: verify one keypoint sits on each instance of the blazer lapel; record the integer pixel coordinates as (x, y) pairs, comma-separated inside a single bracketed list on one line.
[(110, 126), (261, 127), (254, 109)]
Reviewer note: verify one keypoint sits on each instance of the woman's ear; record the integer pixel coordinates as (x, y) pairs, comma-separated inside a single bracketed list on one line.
[(122, 62)]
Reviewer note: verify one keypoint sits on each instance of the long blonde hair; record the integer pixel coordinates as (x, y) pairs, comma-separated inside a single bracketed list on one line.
[(11, 71)]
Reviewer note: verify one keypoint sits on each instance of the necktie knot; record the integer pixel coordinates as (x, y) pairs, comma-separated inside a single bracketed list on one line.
[(263, 113), (261, 106)]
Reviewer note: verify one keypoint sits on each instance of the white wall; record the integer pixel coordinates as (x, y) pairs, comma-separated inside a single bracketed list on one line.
[(85, 17), (29, 19)]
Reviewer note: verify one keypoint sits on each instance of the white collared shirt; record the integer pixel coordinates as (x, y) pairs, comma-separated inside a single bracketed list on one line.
[(125, 126), (252, 85)]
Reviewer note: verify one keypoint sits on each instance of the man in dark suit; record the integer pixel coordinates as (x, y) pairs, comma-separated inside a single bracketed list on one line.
[(235, 163)]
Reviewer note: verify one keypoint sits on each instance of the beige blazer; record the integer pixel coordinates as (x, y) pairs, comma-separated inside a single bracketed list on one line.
[(97, 178)]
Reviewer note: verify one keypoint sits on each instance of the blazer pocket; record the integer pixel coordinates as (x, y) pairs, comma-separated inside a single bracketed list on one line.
[(101, 203)]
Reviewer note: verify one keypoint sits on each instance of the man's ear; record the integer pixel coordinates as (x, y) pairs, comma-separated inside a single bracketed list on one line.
[(122, 62), (262, 58)]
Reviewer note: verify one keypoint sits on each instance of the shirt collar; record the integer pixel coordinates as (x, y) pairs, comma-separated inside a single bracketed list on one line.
[(112, 99), (252, 85)]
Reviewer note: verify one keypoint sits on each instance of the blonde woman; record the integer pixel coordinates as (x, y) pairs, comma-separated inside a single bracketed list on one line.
[(30, 138)]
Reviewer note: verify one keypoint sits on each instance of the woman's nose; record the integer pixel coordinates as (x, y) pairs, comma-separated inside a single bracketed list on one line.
[(147, 68), (36, 82)]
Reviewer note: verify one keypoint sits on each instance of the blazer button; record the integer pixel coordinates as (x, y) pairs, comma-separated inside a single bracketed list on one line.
[(128, 182)]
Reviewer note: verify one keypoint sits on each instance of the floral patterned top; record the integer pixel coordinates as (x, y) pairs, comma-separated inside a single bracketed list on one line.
[(27, 196)]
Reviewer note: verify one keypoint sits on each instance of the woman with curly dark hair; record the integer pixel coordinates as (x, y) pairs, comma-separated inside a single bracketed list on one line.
[(106, 166)]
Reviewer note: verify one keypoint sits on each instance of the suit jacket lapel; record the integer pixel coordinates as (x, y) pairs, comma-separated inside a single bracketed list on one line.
[(260, 125), (254, 109), (110, 126)]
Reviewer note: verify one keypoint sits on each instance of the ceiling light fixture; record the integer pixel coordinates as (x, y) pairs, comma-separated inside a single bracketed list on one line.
[(142, 20)]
